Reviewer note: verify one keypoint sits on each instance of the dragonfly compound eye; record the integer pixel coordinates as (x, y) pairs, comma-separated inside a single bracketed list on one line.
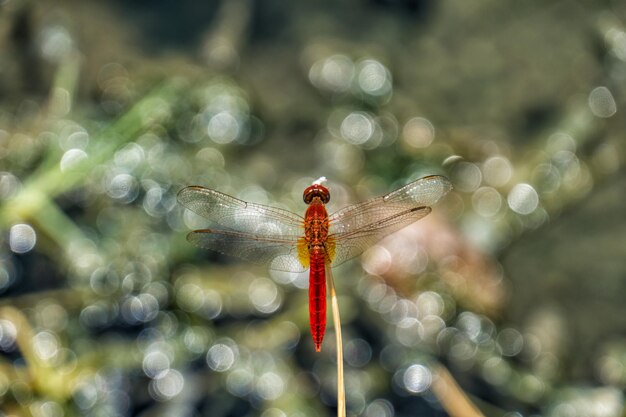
[(316, 190)]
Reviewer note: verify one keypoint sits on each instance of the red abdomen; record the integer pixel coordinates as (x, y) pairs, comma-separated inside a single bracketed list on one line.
[(317, 296)]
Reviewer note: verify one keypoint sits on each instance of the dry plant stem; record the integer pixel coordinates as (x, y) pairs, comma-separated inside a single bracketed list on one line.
[(341, 392), (451, 396)]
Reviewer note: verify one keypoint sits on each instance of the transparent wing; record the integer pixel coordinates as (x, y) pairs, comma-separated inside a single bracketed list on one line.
[(238, 215), (350, 245), (424, 192), (356, 227), (280, 254), (254, 232)]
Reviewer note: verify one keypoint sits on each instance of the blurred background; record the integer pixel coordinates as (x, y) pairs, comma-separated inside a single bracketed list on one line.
[(514, 285)]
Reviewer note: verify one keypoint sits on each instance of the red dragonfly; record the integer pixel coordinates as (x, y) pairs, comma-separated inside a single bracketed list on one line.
[(286, 241)]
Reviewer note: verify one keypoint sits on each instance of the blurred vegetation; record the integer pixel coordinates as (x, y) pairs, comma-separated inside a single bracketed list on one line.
[(514, 284)]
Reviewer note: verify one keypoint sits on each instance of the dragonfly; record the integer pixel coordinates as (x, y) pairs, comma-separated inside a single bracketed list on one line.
[(286, 241)]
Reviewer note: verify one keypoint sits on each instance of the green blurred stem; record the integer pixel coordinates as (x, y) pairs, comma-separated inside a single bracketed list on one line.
[(49, 181), (146, 113), (64, 85), (57, 224), (451, 396)]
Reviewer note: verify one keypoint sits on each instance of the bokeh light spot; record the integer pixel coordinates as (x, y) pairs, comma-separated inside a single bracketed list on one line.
[(56, 42), (155, 364), (602, 103), (140, 309), (240, 382), (377, 260), (417, 379), (72, 159), (430, 303), (373, 78), (497, 171), (123, 187), (85, 395), (466, 176), (270, 386), (561, 141), (358, 353), (9, 185), (379, 408), (333, 74), (264, 295), (45, 345), (357, 128), (418, 132), (223, 128), (496, 371), (129, 157), (523, 199), (274, 412), (196, 339), (409, 331), (8, 335), (167, 386), (220, 357), (22, 238), (190, 297), (47, 409), (510, 342), (78, 139), (487, 201), (7, 277)]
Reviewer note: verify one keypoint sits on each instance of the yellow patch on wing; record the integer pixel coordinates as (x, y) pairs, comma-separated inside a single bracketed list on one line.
[(303, 252)]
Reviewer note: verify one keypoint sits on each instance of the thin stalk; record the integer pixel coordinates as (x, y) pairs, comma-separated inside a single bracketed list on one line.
[(341, 391), (451, 395)]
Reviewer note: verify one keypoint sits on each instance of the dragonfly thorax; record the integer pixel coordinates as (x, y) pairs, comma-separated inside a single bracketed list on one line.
[(315, 224)]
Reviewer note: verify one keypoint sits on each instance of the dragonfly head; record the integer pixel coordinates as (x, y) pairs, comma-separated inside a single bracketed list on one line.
[(316, 190)]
